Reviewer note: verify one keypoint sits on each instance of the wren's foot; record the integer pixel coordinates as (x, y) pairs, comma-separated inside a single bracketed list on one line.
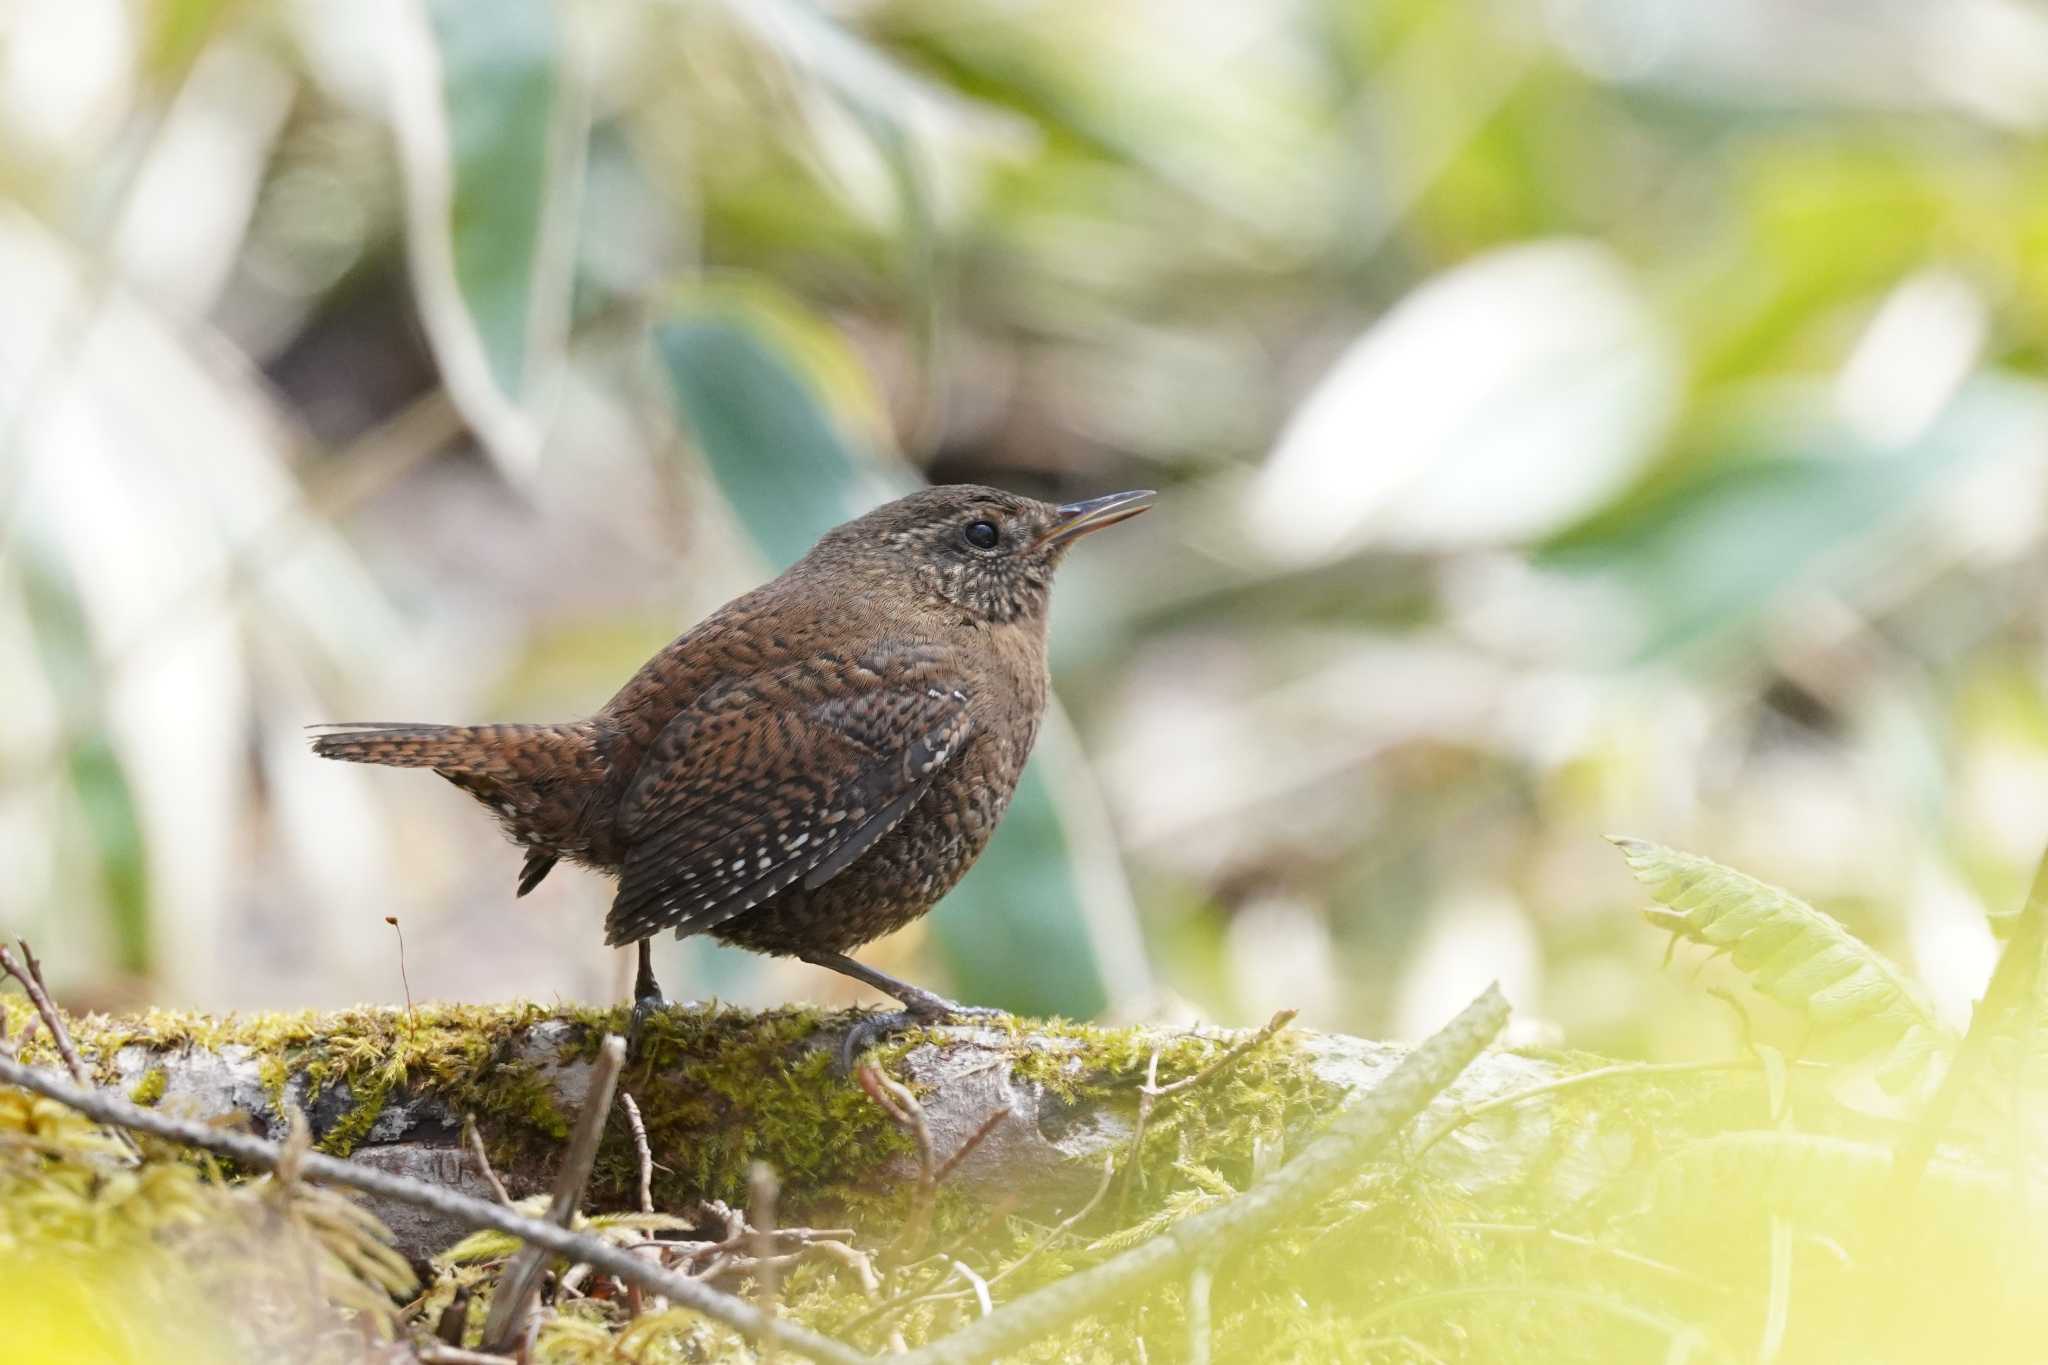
[(648, 1000), (645, 1008), (920, 1008)]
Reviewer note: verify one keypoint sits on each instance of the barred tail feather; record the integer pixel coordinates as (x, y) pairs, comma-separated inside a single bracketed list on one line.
[(500, 751)]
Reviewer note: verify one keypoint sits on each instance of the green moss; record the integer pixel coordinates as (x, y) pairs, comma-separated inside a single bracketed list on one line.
[(1393, 1265), (150, 1088)]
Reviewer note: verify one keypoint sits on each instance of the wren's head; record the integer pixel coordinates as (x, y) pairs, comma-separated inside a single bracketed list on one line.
[(982, 551)]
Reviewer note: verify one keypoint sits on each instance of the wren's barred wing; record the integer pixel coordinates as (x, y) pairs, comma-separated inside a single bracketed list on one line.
[(785, 776)]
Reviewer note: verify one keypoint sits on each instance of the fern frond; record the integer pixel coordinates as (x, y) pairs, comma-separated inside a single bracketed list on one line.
[(1799, 956)]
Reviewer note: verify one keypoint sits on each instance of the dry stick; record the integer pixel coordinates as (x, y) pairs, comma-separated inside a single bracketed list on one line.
[(640, 1146), (475, 1142), (1199, 1281), (634, 1299), (1358, 1130), (521, 1280), (260, 1153), (853, 1259), (29, 972), (978, 1284), (762, 1189)]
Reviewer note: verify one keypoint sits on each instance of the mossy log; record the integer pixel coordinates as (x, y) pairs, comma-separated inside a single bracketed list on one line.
[(722, 1088)]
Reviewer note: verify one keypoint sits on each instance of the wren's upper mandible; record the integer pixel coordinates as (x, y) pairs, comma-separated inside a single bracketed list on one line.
[(814, 764)]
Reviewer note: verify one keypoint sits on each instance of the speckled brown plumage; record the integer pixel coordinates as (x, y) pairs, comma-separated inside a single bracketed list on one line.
[(817, 762)]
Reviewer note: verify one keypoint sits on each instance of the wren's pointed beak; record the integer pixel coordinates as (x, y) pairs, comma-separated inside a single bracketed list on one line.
[(1077, 519)]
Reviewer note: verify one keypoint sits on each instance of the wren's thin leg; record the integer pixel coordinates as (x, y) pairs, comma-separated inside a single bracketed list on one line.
[(920, 1006), (647, 997), (917, 1000)]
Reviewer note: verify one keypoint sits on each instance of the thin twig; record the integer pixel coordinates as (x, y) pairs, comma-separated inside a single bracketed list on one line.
[(431, 1354), (1685, 1337), (261, 1153), (762, 1189), (1148, 1095), (915, 1297), (1237, 1050), (29, 972), (978, 1284), (411, 1021), (521, 1280), (1674, 1273), (1200, 1279), (974, 1140), (856, 1260), (903, 1109), (640, 1146), (1470, 1112), (1151, 1092), (475, 1142), (1065, 1224), (1362, 1127)]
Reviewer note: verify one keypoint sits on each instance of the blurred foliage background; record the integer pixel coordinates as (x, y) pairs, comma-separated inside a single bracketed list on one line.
[(1572, 416)]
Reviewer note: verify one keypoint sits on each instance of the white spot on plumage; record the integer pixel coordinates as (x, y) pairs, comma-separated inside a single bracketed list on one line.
[(794, 844)]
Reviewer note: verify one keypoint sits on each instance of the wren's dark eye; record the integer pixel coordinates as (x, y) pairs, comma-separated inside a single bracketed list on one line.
[(982, 535)]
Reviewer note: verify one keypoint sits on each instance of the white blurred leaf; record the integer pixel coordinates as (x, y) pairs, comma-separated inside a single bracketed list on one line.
[(151, 469), (183, 220), (1498, 402), (492, 119)]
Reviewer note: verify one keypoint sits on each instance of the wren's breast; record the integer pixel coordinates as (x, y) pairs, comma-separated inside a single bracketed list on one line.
[(909, 869)]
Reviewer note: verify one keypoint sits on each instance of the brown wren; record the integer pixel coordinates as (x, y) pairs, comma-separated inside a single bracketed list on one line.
[(813, 765)]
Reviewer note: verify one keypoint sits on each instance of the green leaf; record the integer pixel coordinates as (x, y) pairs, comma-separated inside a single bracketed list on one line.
[(1781, 502), (493, 134), (1798, 956), (98, 784), (1043, 922), (2008, 1039), (763, 432)]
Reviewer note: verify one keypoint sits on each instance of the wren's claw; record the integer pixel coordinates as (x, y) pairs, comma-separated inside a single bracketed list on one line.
[(645, 1008), (921, 1008)]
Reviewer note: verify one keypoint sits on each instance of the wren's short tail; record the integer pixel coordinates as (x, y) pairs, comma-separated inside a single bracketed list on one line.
[(513, 753), (456, 748), (527, 774)]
